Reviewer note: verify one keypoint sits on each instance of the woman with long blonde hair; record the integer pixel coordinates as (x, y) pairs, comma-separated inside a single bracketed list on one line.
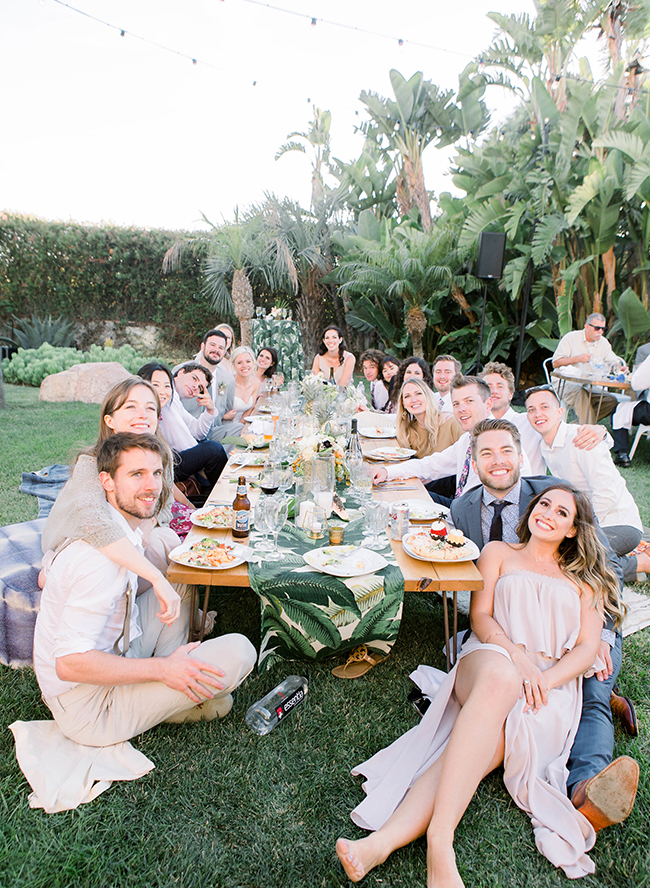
[(419, 423), (513, 698)]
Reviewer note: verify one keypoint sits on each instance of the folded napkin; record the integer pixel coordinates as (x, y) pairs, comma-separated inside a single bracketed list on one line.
[(261, 427), (65, 774)]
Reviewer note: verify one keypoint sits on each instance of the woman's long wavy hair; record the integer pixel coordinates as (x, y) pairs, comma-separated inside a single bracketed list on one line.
[(406, 424), (322, 350), (582, 558), (115, 399), (398, 379)]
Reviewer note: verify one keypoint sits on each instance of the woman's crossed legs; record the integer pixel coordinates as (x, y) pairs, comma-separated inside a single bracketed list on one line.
[(487, 687)]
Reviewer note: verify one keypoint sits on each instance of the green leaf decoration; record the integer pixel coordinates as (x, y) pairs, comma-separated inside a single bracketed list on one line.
[(313, 621), (370, 625)]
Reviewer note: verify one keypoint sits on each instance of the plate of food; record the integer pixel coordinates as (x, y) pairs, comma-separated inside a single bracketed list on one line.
[(345, 561), (390, 454), (209, 554), (246, 458), (453, 546), (215, 515), (421, 510), (259, 442), (264, 409), (378, 432)]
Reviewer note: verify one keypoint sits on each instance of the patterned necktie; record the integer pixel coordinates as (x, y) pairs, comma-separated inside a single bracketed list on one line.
[(496, 528), (462, 481), (442, 403)]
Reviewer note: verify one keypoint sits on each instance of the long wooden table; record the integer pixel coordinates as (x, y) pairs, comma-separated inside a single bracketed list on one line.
[(419, 576)]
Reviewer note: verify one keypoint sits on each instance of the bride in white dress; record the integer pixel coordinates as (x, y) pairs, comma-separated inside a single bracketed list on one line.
[(514, 698), (247, 384)]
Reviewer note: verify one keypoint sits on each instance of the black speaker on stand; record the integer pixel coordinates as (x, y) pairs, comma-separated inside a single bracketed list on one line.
[(489, 266)]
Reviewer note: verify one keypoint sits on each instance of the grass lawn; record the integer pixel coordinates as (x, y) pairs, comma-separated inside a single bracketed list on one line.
[(229, 809)]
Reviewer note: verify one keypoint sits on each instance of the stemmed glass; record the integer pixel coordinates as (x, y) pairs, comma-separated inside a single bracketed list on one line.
[(361, 475), (285, 476), (376, 514), (277, 509)]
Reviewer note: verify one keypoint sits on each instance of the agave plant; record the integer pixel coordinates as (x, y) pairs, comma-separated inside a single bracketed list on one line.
[(34, 332)]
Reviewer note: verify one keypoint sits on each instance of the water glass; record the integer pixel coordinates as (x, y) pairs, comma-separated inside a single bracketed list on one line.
[(276, 511), (376, 515), (264, 545)]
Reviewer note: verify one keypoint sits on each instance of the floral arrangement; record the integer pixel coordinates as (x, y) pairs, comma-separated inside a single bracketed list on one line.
[(323, 444)]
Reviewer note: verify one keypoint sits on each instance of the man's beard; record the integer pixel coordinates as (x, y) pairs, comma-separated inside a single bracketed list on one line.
[(212, 360), (136, 507), (505, 483)]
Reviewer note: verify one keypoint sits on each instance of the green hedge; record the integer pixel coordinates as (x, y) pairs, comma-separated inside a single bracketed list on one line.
[(30, 366), (87, 273)]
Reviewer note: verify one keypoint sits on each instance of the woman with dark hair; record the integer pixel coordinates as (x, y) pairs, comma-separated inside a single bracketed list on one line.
[(82, 513), (267, 363), (333, 361), (183, 432), (412, 367), (513, 698), (388, 371)]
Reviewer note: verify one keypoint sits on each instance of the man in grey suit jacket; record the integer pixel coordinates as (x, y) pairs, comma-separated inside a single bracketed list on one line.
[(604, 790)]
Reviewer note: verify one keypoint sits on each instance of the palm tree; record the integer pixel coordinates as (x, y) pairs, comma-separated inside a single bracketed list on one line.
[(404, 267), (318, 138), (235, 253), (299, 249)]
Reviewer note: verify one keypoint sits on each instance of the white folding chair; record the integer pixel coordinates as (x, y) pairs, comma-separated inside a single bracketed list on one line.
[(642, 430)]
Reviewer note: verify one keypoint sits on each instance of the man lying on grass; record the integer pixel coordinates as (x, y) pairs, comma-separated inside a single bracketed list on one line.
[(108, 667)]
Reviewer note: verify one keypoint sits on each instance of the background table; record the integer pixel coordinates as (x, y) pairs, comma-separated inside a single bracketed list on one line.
[(589, 383)]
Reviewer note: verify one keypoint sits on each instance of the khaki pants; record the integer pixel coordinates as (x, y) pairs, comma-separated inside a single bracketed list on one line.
[(585, 407), (102, 716)]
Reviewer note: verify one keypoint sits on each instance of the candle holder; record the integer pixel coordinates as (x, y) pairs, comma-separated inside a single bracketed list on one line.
[(315, 523)]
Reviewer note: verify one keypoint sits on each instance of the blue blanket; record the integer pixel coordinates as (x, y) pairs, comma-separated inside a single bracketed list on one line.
[(20, 562)]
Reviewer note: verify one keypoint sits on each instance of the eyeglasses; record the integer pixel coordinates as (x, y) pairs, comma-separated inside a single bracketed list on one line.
[(594, 327)]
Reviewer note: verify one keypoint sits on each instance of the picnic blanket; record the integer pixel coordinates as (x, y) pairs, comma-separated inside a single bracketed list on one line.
[(45, 485), (311, 615), (20, 563)]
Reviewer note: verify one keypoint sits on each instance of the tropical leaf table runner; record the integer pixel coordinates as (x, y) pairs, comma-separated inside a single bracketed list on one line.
[(309, 615), (285, 336)]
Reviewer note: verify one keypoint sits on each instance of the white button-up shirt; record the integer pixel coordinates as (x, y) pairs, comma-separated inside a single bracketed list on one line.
[(575, 343), (180, 428), (82, 607), (444, 464), (594, 473)]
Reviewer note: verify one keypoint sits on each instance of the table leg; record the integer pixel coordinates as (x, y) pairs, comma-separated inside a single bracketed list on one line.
[(455, 626), (195, 635), (446, 617)]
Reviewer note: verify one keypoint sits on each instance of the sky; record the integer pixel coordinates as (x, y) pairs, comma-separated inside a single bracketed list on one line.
[(99, 127)]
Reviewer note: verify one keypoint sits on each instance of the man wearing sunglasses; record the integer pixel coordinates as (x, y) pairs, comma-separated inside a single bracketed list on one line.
[(579, 353)]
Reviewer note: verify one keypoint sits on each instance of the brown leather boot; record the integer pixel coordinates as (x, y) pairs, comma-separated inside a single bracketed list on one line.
[(623, 709), (608, 797)]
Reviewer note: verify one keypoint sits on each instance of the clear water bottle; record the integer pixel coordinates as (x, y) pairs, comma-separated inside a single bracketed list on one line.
[(264, 715)]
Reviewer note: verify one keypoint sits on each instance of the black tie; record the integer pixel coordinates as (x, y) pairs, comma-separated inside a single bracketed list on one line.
[(496, 528)]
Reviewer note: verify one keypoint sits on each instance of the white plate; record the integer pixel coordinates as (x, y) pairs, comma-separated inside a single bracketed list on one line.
[(247, 458), (377, 432), (336, 561), (421, 510), (390, 454), (240, 552), (222, 519), (470, 551)]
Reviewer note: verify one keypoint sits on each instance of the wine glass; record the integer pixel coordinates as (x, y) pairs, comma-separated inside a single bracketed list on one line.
[(285, 475), (276, 511), (376, 515), (269, 478)]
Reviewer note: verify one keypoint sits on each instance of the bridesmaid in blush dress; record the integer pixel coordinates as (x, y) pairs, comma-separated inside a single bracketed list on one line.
[(513, 698)]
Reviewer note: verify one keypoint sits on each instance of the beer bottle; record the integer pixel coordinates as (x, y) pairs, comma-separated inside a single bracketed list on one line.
[(242, 511)]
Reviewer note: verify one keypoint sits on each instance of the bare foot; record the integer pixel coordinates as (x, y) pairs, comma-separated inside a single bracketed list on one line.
[(356, 857), (442, 871)]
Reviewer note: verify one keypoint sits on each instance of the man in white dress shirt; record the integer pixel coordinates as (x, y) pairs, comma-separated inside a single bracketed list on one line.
[(577, 352), (472, 401), (594, 473), (501, 380), (444, 369), (108, 667)]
